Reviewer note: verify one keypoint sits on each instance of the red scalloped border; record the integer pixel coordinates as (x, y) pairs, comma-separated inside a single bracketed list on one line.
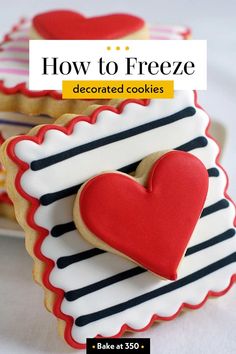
[(42, 233), (14, 29)]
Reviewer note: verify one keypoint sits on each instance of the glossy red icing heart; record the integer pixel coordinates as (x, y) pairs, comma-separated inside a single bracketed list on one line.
[(63, 24), (152, 225)]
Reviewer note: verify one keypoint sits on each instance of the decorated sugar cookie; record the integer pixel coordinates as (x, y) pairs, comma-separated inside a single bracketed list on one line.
[(111, 210), (14, 57), (12, 124), (65, 24), (93, 292)]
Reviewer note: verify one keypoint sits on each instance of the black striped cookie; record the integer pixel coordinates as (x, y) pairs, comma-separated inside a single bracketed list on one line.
[(99, 293)]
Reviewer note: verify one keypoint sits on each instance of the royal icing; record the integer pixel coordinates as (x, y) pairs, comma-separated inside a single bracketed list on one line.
[(64, 24), (99, 293), (14, 57), (150, 225), (166, 32), (15, 124)]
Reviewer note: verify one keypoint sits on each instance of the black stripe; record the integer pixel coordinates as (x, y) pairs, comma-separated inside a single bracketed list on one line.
[(129, 168), (221, 204), (51, 160), (66, 261), (199, 142), (211, 242), (50, 198), (213, 172), (61, 229), (15, 123), (75, 294), (95, 316)]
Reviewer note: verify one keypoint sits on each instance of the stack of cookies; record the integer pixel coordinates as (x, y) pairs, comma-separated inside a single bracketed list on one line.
[(154, 234), (43, 107)]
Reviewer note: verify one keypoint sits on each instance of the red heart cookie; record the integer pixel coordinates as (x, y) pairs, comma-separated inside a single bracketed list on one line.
[(63, 24), (151, 225)]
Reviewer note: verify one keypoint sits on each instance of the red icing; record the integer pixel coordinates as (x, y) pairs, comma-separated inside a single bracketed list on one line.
[(64, 24), (1, 140), (186, 33), (4, 198), (150, 225), (42, 233)]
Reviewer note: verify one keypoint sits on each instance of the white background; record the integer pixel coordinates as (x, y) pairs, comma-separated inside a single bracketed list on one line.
[(25, 327)]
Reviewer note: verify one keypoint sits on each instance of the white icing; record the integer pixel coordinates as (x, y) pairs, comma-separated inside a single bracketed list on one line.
[(141, 284), (108, 122), (16, 51), (103, 266), (9, 126), (74, 170), (139, 317), (113, 155)]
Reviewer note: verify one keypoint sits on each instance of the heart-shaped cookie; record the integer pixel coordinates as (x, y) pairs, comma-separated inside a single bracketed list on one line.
[(150, 224), (64, 24)]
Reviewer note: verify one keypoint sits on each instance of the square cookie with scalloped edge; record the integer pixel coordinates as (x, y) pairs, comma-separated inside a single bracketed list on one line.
[(93, 292)]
